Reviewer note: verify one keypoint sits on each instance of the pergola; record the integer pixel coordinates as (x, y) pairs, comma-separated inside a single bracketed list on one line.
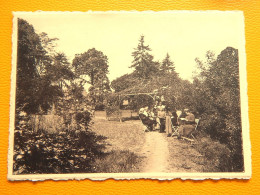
[(121, 96)]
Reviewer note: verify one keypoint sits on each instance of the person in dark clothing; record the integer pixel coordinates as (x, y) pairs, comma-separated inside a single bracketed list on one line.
[(188, 125), (174, 118), (183, 114)]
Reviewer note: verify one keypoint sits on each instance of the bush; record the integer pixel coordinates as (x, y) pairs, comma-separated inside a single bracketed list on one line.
[(217, 100), (217, 155), (64, 151)]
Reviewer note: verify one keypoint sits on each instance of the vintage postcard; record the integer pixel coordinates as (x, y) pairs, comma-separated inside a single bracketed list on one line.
[(129, 95)]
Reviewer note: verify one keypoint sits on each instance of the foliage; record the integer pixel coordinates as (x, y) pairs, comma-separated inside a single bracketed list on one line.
[(124, 82), (140, 101), (112, 106), (167, 65), (30, 54), (143, 62), (217, 156), (49, 44), (46, 83), (92, 63), (98, 97), (48, 123), (61, 152), (40, 73), (217, 100), (60, 71)]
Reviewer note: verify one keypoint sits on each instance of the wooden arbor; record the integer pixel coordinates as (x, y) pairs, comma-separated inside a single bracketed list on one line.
[(121, 96)]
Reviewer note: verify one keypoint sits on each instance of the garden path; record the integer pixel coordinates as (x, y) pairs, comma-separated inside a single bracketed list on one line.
[(156, 151)]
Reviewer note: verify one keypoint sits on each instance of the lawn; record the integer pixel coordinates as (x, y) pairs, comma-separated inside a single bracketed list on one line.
[(124, 141)]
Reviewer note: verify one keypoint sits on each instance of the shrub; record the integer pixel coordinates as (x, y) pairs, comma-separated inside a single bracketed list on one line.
[(64, 151), (217, 100), (217, 155)]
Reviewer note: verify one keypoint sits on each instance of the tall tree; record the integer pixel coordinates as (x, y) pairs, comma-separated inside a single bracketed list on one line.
[(143, 61), (220, 108), (49, 44), (40, 71), (92, 63), (167, 65), (30, 57), (60, 70), (203, 67)]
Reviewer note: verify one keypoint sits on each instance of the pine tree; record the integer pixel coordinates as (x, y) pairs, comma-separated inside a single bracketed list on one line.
[(143, 61), (167, 65)]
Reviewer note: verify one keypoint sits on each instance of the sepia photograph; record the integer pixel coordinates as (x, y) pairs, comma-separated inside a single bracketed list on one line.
[(129, 95)]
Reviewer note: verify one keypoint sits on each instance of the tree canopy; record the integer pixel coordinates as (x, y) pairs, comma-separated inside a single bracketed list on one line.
[(217, 99), (167, 65), (31, 58), (40, 73), (143, 62), (92, 63)]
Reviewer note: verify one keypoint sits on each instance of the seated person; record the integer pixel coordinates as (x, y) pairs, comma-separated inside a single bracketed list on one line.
[(145, 119), (188, 124)]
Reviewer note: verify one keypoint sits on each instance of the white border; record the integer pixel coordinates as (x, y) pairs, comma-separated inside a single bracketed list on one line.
[(160, 176)]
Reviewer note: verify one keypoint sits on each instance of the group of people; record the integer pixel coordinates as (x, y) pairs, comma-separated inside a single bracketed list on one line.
[(159, 117)]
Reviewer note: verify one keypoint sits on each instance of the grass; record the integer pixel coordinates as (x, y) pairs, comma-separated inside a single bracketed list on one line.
[(117, 162), (205, 155), (123, 141), (126, 135), (182, 156)]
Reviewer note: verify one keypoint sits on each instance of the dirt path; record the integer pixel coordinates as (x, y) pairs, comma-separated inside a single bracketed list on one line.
[(168, 154), (156, 151)]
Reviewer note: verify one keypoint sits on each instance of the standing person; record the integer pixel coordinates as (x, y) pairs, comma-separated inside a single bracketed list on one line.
[(155, 111), (168, 124), (162, 116)]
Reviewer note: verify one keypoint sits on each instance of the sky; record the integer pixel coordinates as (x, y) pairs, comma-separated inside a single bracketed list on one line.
[(184, 35)]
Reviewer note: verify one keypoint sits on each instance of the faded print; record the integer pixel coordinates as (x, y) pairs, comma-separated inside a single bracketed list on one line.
[(129, 95)]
